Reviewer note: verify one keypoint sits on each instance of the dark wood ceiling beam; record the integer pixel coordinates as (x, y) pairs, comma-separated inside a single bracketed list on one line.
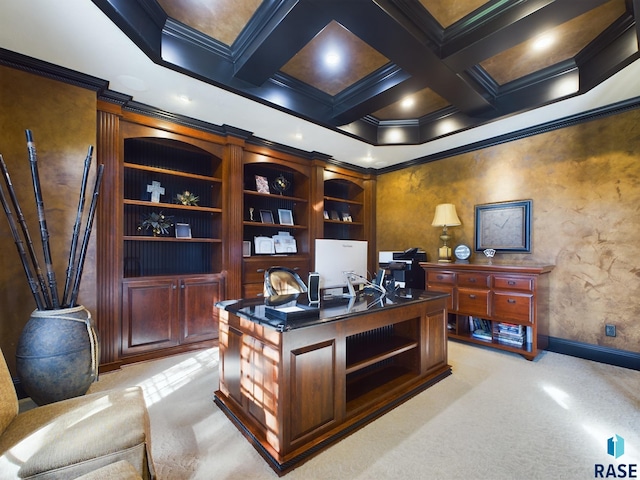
[(612, 55), (385, 28), (142, 24), (470, 44), (389, 86), (285, 33)]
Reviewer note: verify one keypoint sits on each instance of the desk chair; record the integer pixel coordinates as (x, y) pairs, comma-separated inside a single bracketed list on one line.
[(282, 281)]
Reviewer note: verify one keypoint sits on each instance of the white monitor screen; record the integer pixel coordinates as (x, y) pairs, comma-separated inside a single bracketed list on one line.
[(335, 257)]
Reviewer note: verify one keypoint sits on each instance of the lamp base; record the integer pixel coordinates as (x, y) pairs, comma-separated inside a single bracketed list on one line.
[(444, 254)]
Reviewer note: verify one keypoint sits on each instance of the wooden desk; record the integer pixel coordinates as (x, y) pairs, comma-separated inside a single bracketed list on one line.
[(295, 388)]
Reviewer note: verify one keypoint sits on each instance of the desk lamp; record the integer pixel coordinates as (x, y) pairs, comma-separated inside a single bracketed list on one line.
[(445, 216)]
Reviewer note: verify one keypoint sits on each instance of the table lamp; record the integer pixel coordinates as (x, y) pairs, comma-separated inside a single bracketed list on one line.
[(445, 216)]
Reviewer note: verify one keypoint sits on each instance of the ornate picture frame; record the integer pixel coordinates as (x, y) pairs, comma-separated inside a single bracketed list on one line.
[(503, 226)]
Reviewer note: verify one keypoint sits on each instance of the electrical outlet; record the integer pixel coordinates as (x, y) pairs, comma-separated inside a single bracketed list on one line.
[(610, 330)]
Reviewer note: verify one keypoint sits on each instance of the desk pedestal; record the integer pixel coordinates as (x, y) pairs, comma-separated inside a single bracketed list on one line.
[(295, 392)]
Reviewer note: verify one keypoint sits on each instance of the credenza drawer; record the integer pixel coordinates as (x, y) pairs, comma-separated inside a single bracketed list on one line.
[(513, 306), (441, 277), (473, 302), (513, 283), (473, 280)]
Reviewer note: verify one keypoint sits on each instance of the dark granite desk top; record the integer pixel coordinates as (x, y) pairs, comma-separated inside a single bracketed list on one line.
[(271, 310)]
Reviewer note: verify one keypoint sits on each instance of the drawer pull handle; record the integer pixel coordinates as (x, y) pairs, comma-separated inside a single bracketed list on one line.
[(439, 277), (511, 300), (511, 282), (472, 296), (472, 280), (260, 270)]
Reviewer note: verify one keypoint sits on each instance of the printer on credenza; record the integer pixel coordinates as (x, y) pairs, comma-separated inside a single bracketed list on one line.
[(404, 267)]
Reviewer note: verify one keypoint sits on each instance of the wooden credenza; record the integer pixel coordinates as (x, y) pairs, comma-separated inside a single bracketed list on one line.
[(495, 305), (295, 389)]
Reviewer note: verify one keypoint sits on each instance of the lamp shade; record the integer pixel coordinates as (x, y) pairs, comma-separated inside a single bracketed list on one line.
[(446, 216)]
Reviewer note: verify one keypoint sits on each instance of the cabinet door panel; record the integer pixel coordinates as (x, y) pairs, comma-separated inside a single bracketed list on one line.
[(199, 316), (149, 317)]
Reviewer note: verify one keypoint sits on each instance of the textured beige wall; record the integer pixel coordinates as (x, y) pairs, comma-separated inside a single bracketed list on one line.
[(585, 185), (62, 118)]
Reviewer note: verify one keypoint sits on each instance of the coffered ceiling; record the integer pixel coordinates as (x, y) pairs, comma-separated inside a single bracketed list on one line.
[(388, 72), (372, 83)]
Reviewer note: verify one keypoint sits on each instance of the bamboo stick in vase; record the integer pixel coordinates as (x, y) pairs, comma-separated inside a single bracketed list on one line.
[(33, 284), (46, 299), (76, 229), (44, 232)]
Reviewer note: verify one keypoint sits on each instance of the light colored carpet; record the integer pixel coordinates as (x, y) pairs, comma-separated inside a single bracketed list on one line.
[(498, 416)]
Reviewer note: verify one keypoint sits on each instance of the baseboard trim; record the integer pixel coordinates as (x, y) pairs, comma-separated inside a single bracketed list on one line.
[(597, 353)]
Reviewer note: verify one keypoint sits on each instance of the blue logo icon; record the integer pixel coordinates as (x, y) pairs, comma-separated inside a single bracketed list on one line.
[(615, 446)]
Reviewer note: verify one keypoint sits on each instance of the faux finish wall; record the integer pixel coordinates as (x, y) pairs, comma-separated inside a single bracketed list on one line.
[(585, 185), (62, 118)]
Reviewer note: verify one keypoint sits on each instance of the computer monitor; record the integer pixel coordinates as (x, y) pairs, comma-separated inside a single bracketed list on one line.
[(340, 264)]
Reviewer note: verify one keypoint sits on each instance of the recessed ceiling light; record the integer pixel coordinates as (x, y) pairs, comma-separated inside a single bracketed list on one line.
[(332, 59), (132, 83), (543, 42), (184, 98), (407, 102)]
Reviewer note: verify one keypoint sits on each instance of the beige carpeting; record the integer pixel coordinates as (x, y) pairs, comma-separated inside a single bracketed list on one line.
[(498, 416)]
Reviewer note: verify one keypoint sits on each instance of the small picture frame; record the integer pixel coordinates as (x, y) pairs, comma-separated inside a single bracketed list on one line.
[(334, 215), (346, 217), (183, 230), (326, 215), (504, 227), (285, 216), (262, 184), (266, 216)]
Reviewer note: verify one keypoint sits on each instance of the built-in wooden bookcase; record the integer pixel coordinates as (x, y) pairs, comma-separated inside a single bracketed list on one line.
[(349, 208), (176, 167), (273, 210)]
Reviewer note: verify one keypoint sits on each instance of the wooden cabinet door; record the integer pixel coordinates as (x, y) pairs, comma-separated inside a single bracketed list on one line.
[(198, 315), (149, 315)]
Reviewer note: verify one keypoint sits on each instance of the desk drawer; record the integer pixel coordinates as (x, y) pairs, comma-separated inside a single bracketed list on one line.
[(524, 284), (473, 280), (473, 302), (513, 306), (441, 277), (444, 289)]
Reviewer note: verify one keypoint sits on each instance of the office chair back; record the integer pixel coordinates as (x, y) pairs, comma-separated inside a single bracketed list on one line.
[(282, 281)]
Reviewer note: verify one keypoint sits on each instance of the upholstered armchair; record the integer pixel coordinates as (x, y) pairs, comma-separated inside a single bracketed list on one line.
[(74, 437)]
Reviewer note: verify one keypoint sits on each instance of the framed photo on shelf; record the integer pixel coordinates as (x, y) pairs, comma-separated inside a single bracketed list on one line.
[(334, 215), (504, 227), (266, 216), (285, 216), (346, 217), (262, 184), (326, 215), (183, 230)]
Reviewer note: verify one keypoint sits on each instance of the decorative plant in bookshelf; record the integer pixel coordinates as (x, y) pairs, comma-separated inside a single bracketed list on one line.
[(158, 223), (187, 198)]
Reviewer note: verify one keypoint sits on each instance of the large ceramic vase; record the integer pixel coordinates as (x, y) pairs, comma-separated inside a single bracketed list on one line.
[(57, 354)]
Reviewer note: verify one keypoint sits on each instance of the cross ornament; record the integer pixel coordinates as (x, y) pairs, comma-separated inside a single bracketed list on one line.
[(156, 190)]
